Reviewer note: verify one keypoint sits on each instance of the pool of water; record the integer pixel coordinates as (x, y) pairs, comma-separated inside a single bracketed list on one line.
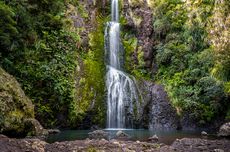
[(166, 137)]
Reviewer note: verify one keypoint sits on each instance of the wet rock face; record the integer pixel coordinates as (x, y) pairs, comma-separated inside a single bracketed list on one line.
[(156, 110), (140, 18), (187, 121), (162, 115), (224, 130), (145, 107)]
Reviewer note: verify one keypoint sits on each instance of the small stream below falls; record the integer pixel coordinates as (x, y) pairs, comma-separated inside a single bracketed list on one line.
[(166, 137)]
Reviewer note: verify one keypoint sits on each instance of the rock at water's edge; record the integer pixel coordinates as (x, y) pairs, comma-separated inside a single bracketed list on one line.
[(98, 134), (182, 145), (224, 130), (156, 111), (120, 134), (154, 138), (204, 133), (163, 115), (53, 131), (16, 109)]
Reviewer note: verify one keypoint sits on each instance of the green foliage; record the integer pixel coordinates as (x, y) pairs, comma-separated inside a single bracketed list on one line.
[(130, 45), (92, 149), (219, 35), (38, 47), (90, 95), (185, 58), (40, 51), (8, 31), (169, 16), (50, 77), (227, 87), (228, 115), (129, 42)]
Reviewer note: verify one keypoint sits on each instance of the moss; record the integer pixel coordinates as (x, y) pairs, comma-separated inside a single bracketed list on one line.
[(14, 120), (186, 60), (227, 87), (151, 3), (136, 19), (134, 3), (130, 45), (15, 107), (90, 91), (92, 149), (227, 117)]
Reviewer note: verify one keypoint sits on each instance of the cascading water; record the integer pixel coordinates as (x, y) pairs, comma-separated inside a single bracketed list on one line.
[(121, 89)]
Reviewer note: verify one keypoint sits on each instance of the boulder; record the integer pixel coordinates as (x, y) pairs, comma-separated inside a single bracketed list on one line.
[(2, 136), (15, 106), (224, 130), (35, 128), (204, 133), (16, 109), (121, 135), (98, 134), (53, 131), (154, 138)]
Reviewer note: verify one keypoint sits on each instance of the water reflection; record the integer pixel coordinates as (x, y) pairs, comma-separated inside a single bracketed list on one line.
[(166, 137)]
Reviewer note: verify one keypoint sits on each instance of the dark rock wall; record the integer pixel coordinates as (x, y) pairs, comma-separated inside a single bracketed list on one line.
[(156, 111), (140, 18), (162, 114)]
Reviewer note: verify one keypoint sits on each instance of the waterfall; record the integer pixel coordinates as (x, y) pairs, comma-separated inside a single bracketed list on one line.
[(122, 92)]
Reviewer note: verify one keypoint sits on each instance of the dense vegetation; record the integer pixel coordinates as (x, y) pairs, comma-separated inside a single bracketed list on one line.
[(65, 80), (90, 105), (39, 49), (192, 53)]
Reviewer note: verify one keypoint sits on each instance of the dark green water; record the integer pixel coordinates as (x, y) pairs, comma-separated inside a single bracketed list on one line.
[(166, 137)]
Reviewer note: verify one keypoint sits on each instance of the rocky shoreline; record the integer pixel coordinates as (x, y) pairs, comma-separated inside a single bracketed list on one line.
[(96, 145)]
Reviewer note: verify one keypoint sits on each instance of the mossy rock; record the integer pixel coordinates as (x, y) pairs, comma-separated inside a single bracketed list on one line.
[(135, 3), (15, 106)]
